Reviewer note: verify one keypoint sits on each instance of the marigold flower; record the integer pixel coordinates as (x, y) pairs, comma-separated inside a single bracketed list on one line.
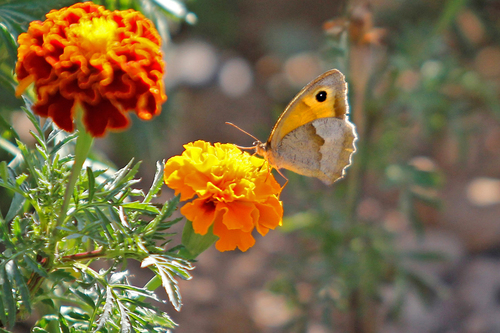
[(231, 189), (107, 62)]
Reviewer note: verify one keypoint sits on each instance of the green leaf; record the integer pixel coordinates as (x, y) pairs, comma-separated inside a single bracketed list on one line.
[(48, 302), (172, 206), (4, 173), (63, 142), (163, 266), (125, 326), (27, 156), (91, 188), (195, 244), (35, 121), (3, 316), (53, 134), (84, 297), (63, 324), (107, 310), (145, 207), (177, 9), (157, 182), (17, 14), (75, 313), (8, 127), (10, 44), (120, 175), (166, 211), (13, 270), (16, 206), (35, 266), (9, 147), (136, 291), (104, 220), (161, 320), (61, 275), (8, 298), (39, 330), (118, 277), (21, 178)]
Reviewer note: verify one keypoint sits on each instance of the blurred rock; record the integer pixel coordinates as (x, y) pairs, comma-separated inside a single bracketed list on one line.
[(231, 319), (477, 226), (302, 68), (245, 268), (483, 322), (395, 221), (483, 191), (370, 209), (408, 80), (270, 310), (480, 284), (471, 26), (200, 290), (479, 291), (235, 77), (193, 63), (487, 61), (317, 328)]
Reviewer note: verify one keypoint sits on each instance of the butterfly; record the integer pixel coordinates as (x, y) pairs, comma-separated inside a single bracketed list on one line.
[(313, 136)]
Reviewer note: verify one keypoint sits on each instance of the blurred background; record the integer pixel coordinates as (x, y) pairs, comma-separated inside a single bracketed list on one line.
[(409, 241)]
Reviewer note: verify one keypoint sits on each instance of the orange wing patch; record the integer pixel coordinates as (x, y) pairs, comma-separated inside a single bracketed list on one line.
[(305, 107)]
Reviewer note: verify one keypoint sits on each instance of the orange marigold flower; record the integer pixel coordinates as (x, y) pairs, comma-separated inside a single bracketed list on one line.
[(107, 62), (231, 189)]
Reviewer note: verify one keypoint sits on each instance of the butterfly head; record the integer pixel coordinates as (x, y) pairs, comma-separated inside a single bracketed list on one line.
[(261, 148)]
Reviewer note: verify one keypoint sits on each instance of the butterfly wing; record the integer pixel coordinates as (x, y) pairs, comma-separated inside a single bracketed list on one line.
[(321, 148), (306, 106)]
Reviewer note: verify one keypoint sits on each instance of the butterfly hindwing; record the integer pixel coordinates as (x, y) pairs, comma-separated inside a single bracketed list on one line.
[(336, 152), (321, 148)]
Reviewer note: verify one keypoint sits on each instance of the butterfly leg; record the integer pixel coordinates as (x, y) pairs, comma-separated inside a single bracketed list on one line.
[(282, 187), (269, 169)]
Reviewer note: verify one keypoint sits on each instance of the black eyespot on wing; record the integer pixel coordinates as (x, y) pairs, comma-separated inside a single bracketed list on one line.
[(321, 96)]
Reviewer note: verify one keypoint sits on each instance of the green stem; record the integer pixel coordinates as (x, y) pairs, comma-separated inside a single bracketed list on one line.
[(82, 149), (83, 256), (154, 283)]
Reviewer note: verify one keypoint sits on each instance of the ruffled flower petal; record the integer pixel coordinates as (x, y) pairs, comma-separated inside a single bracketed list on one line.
[(231, 239), (201, 212), (269, 215), (232, 191), (237, 215), (110, 63)]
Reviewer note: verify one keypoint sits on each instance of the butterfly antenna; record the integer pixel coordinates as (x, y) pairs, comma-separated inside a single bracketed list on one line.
[(250, 135)]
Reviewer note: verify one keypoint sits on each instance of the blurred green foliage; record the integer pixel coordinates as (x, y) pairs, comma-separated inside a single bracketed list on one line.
[(422, 86)]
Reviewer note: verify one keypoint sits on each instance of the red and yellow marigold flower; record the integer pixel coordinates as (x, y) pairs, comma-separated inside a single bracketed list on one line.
[(106, 62), (231, 189)]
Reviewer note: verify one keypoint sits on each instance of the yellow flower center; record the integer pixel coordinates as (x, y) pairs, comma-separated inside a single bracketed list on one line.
[(94, 36)]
